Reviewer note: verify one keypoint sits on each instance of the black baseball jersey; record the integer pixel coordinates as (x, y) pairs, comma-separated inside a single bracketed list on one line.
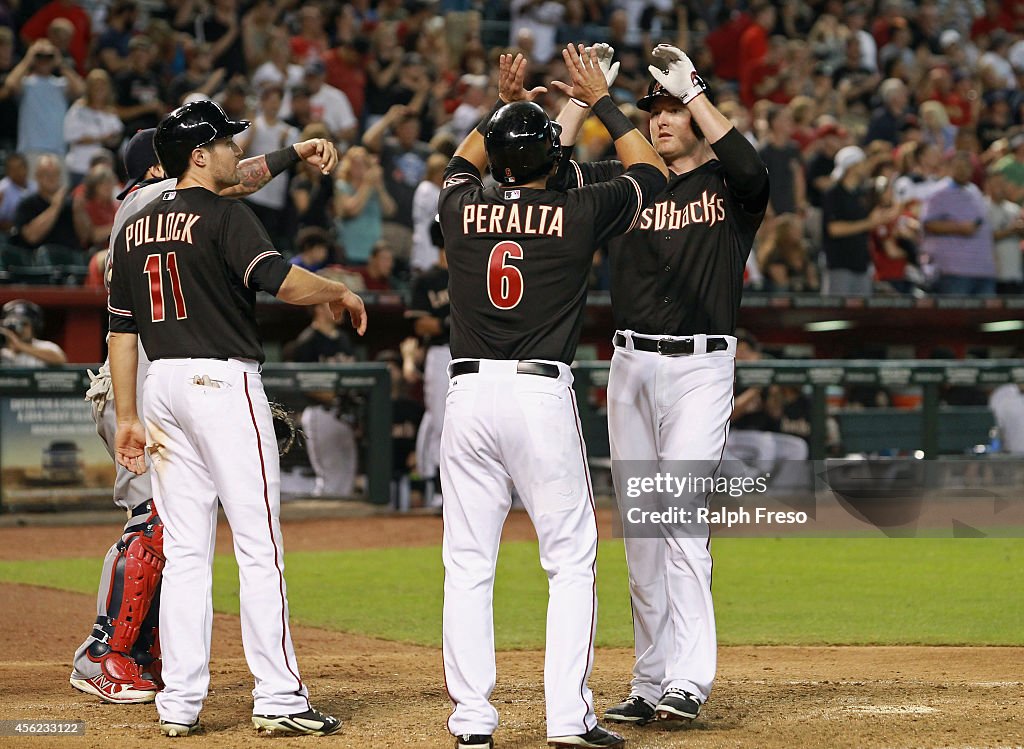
[(185, 275), (519, 258), (430, 297), (680, 270)]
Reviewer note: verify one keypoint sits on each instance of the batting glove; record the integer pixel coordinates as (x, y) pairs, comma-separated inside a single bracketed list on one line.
[(681, 79), (605, 53)]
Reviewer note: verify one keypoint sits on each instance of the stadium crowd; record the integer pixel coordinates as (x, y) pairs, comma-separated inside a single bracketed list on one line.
[(893, 130)]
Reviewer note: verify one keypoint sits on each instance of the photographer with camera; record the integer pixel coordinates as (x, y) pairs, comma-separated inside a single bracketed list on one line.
[(19, 347)]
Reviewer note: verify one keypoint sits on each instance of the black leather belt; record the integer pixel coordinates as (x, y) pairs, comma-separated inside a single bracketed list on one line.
[(671, 346), (472, 366)]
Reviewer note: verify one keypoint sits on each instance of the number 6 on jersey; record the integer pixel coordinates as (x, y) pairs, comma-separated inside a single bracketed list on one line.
[(156, 287), (504, 282)]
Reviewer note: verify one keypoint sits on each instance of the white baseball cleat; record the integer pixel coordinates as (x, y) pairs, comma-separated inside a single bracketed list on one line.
[(311, 723), (172, 729)]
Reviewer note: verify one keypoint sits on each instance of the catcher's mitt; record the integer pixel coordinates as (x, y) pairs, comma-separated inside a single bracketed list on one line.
[(284, 427)]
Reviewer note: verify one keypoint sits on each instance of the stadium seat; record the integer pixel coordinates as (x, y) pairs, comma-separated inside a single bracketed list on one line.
[(19, 266), (69, 266)]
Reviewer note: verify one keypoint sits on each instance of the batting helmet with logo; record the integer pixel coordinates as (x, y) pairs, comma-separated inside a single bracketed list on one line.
[(656, 91), (522, 143), (189, 127)]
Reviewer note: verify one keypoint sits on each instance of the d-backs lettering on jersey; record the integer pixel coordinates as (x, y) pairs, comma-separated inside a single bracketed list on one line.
[(430, 297), (185, 274), (680, 271), (519, 258)]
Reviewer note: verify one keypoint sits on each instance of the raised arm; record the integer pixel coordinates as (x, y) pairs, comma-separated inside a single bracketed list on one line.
[(575, 111), (257, 171)]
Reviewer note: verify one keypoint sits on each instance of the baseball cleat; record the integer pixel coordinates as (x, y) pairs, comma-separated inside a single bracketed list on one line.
[(311, 723), (634, 709), (110, 691), (596, 738), (172, 729), (474, 741), (677, 705)]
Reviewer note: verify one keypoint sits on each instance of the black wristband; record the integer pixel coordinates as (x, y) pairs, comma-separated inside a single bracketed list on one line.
[(612, 117), (278, 161), (482, 126)]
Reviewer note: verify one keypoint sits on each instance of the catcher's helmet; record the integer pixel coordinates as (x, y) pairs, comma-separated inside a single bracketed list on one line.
[(24, 309), (189, 127), (522, 143)]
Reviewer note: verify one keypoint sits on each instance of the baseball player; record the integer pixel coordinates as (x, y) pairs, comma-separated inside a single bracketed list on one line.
[(185, 274), (518, 260), (119, 661), (431, 316), (676, 284)]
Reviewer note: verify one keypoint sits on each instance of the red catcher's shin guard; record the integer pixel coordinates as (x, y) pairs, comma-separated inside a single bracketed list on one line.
[(139, 569)]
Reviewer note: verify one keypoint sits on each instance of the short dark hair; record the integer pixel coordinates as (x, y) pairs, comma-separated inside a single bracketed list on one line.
[(311, 236)]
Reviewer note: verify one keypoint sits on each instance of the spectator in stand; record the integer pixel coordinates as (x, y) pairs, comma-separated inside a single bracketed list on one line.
[(995, 122), (269, 133), (402, 155), (377, 271), (382, 66), (259, 25), (139, 91), (784, 258), (1007, 404), (424, 210), (346, 71), (361, 203), (8, 101), (898, 52), (112, 47), (310, 44), (921, 165), (45, 83), (753, 47), (957, 234), (94, 206), (38, 26), (782, 157), (312, 249), (13, 187), (22, 322), (1007, 223), (311, 191), (847, 220), (887, 121), (300, 114), (941, 89), (542, 19), (46, 216), (994, 64), (724, 41), (855, 82), (892, 244), (91, 125), (234, 100), (472, 108), (855, 19), (221, 28), (329, 105), (199, 76), (829, 137), (278, 68)]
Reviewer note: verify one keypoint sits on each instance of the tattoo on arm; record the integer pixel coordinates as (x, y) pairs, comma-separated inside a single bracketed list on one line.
[(254, 174)]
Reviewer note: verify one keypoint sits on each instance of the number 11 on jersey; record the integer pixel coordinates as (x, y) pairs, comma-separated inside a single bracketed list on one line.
[(156, 286)]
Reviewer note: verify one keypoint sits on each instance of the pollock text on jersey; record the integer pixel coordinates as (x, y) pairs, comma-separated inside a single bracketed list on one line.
[(173, 227), (512, 219)]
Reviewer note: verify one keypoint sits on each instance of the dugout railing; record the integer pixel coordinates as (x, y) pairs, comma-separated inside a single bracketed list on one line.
[(932, 428), (51, 457)]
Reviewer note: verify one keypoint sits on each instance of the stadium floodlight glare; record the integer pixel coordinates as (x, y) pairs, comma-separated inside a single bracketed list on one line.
[(1002, 326), (825, 326)]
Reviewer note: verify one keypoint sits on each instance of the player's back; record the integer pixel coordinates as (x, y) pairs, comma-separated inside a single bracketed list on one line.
[(519, 260), (179, 268)]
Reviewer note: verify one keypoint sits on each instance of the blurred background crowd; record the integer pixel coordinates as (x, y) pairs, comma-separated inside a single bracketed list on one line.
[(893, 130)]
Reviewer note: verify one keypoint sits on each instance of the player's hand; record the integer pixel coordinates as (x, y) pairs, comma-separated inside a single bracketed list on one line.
[(353, 304), (511, 77), (676, 73), (130, 447), (605, 55), (318, 152), (588, 80)]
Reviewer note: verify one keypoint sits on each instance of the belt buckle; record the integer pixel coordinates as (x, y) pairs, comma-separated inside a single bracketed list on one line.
[(662, 352)]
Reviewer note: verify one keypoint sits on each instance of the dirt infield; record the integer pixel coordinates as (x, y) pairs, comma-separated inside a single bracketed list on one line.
[(391, 695)]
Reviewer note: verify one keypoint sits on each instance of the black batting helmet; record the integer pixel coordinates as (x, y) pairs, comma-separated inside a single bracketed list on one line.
[(656, 91), (522, 143), (24, 309), (189, 127)]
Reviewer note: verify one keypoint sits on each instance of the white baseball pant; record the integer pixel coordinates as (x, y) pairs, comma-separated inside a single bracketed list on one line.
[(331, 447), (435, 392), (502, 428), (665, 409), (207, 441)]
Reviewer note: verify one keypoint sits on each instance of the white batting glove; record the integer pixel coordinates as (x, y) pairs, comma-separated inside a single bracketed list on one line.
[(605, 53), (681, 79)]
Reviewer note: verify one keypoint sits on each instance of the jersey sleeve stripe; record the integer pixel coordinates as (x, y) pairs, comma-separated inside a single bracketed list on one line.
[(459, 177), (120, 312), (255, 262), (579, 173), (639, 202)]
